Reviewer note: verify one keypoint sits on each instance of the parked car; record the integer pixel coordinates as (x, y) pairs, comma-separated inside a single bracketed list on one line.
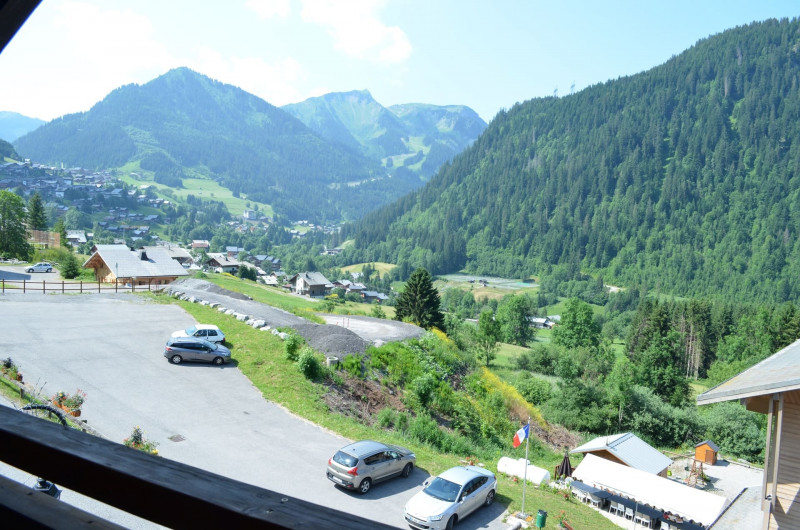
[(194, 349), (42, 266), (450, 497), (358, 465), (210, 332)]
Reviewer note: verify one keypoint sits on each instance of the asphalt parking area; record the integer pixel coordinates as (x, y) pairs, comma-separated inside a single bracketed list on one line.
[(111, 346)]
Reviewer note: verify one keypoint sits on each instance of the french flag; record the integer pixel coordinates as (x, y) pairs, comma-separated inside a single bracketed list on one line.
[(520, 435)]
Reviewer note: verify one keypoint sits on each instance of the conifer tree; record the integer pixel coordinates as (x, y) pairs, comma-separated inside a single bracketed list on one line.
[(37, 218), (419, 302), (13, 236)]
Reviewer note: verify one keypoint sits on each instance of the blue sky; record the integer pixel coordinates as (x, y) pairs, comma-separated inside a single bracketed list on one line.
[(484, 54)]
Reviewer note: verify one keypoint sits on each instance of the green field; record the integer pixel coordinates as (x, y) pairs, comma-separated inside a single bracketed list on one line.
[(379, 266), (198, 186)]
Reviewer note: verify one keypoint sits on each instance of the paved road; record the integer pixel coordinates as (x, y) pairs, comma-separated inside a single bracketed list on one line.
[(111, 346)]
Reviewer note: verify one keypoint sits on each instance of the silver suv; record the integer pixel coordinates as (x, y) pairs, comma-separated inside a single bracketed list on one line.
[(42, 266), (193, 349), (358, 465)]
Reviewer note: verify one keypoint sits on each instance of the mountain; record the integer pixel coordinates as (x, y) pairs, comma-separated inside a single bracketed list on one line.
[(184, 123), (413, 137), (13, 125), (684, 178)]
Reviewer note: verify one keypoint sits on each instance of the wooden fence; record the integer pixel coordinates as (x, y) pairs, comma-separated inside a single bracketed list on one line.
[(62, 286)]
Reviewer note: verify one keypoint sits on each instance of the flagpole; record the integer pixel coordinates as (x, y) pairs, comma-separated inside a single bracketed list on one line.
[(525, 473)]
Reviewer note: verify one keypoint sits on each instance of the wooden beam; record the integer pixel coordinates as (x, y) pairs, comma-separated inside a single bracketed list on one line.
[(154, 488), (24, 507)]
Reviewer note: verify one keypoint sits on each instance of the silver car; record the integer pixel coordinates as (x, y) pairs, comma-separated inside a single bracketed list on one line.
[(450, 497), (42, 266), (192, 349), (358, 465)]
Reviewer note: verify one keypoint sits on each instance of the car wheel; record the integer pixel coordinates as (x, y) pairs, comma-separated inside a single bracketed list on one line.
[(407, 470), (29, 270), (364, 486), (489, 498), (175, 359), (450, 523), (49, 270), (217, 361)]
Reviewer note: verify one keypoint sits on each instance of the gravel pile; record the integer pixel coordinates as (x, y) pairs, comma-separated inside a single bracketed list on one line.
[(334, 341)]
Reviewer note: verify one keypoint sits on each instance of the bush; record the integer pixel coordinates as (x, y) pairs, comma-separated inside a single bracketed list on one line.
[(402, 422), (352, 365), (534, 390), (423, 388), (291, 345), (387, 418), (308, 363), (541, 358)]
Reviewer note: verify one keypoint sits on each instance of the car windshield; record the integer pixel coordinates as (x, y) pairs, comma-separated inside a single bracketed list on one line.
[(191, 330), (443, 489), (345, 459), (212, 346)]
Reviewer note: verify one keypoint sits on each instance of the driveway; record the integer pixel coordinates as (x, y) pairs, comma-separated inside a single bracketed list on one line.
[(111, 346)]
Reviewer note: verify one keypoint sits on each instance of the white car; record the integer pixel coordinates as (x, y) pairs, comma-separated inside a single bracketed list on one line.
[(42, 266), (209, 332), (450, 497)]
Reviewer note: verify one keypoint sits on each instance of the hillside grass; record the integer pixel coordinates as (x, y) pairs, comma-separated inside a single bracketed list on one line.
[(199, 186), (260, 357), (379, 266)]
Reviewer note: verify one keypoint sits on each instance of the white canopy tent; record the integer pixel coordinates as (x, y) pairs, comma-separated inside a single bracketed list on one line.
[(660, 493), (533, 474)]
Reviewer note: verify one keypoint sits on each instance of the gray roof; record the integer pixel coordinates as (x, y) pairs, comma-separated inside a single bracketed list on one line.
[(127, 263), (630, 449), (778, 373), (711, 444), (314, 278)]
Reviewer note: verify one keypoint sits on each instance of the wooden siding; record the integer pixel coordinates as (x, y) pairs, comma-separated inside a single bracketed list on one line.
[(785, 513)]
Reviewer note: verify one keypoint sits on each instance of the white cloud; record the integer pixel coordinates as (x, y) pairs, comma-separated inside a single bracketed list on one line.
[(79, 53), (266, 9), (273, 82), (357, 31)]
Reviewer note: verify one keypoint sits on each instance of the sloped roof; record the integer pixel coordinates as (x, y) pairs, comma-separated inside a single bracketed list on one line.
[(313, 278), (222, 259), (657, 492), (127, 263), (778, 373), (630, 449), (709, 443)]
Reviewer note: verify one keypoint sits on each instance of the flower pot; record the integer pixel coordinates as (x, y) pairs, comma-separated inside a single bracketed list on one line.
[(75, 413), (19, 377)]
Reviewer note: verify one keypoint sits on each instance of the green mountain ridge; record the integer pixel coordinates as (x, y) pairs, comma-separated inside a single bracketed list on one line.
[(684, 178), (411, 137), (185, 121)]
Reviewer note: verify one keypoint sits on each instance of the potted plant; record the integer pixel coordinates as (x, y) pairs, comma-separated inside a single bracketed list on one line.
[(70, 402), (137, 441)]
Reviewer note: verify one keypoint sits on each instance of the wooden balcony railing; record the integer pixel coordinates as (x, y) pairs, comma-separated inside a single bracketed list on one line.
[(157, 489)]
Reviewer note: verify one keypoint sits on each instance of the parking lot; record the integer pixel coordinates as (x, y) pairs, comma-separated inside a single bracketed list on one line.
[(111, 346)]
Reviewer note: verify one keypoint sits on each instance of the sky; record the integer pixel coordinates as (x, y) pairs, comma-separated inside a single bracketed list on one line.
[(486, 54)]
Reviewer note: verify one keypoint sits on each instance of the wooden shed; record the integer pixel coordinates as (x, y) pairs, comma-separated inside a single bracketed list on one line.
[(706, 452)]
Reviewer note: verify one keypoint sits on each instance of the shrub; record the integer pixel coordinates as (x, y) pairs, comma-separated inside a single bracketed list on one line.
[(291, 345), (308, 363), (423, 388), (352, 365), (402, 422), (386, 418), (534, 390)]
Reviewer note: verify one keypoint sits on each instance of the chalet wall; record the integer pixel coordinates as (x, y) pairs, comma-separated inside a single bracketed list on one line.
[(786, 513)]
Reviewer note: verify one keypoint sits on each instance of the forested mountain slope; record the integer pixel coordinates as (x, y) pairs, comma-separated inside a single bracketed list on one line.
[(411, 138), (684, 177), (185, 120)]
